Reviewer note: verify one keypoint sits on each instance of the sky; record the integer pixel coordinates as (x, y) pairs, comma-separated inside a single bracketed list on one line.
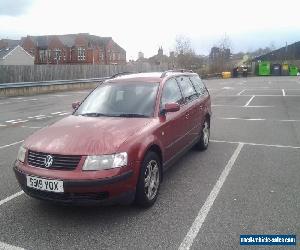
[(140, 25)]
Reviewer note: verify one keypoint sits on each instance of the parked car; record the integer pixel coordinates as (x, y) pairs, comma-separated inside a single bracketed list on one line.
[(117, 142)]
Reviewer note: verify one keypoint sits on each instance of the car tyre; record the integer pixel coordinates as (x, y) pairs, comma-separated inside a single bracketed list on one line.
[(205, 135), (149, 180)]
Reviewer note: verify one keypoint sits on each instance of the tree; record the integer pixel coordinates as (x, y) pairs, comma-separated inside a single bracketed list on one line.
[(220, 55), (185, 54), (183, 45)]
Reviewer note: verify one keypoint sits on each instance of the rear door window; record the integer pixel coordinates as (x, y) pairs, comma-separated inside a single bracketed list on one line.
[(199, 85), (187, 88)]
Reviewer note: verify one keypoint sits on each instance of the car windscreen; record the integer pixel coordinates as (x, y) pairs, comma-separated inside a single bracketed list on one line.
[(131, 99)]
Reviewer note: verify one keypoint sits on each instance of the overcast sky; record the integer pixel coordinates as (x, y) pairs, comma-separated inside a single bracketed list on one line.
[(139, 25)]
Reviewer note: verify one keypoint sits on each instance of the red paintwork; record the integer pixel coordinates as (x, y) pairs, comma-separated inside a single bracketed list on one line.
[(77, 135)]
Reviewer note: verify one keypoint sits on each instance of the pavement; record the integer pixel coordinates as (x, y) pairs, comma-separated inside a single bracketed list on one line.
[(247, 182)]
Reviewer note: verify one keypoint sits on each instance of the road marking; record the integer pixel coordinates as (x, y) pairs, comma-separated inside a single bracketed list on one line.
[(20, 101), (198, 222), (19, 121), (258, 144), (227, 88), (290, 120), (244, 119), (249, 101), (283, 92), (12, 144), (257, 95), (241, 92), (4, 246), (9, 198), (60, 95), (30, 127), (254, 119), (41, 117), (237, 106), (2, 125), (67, 113), (55, 113)]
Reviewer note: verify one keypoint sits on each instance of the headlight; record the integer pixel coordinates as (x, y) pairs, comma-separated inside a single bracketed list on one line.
[(21, 154), (102, 162)]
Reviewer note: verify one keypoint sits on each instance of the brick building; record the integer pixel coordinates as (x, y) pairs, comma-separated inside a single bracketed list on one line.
[(8, 43), (80, 48)]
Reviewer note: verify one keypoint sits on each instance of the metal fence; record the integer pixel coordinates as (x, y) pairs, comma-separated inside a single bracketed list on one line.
[(34, 73)]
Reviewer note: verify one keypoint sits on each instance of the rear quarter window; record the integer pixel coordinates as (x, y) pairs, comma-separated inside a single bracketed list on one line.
[(199, 85), (187, 88)]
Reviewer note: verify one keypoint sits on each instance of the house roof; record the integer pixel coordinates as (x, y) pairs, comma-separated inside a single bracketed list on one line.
[(5, 51), (69, 39), (290, 52), (10, 42)]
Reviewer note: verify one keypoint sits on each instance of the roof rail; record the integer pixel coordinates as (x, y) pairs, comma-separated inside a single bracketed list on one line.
[(176, 70), (120, 74)]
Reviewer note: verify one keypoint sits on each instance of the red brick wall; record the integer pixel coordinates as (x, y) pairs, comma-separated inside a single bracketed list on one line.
[(29, 46), (70, 55)]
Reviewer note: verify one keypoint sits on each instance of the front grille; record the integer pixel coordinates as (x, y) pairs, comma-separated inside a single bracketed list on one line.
[(67, 197), (61, 162)]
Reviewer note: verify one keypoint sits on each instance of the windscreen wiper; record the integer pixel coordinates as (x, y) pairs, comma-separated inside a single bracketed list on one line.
[(132, 115), (94, 114)]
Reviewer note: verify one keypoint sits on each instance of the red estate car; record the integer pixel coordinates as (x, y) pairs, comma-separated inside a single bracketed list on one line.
[(119, 139)]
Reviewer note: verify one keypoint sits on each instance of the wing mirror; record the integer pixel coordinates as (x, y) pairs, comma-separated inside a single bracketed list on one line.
[(170, 107), (75, 105)]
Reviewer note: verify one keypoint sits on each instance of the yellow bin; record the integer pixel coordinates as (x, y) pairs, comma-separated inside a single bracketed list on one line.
[(226, 74)]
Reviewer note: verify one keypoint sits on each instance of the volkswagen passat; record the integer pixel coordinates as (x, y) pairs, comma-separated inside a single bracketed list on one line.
[(116, 144)]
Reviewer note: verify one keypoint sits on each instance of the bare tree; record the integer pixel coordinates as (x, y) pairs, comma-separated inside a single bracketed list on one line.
[(183, 45), (225, 42), (185, 54), (220, 55)]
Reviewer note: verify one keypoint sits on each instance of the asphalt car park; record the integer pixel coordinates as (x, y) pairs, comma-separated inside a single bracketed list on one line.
[(246, 182)]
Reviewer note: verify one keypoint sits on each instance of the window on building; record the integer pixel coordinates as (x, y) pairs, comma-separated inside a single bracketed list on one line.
[(64, 54), (57, 55), (81, 54), (48, 52), (101, 56), (43, 55)]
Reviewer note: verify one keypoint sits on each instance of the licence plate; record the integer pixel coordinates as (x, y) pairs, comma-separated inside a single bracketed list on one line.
[(45, 184)]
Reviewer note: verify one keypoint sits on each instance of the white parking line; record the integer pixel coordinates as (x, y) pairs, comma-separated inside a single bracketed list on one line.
[(12, 144), (283, 92), (67, 113), (198, 222), (244, 119), (254, 119), (241, 92), (258, 144), (256, 95), (249, 101), (4, 246), (30, 127), (9, 198), (238, 106), (20, 101), (19, 121)]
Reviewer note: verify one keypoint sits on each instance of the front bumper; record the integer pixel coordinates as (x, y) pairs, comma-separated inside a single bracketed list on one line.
[(104, 191)]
